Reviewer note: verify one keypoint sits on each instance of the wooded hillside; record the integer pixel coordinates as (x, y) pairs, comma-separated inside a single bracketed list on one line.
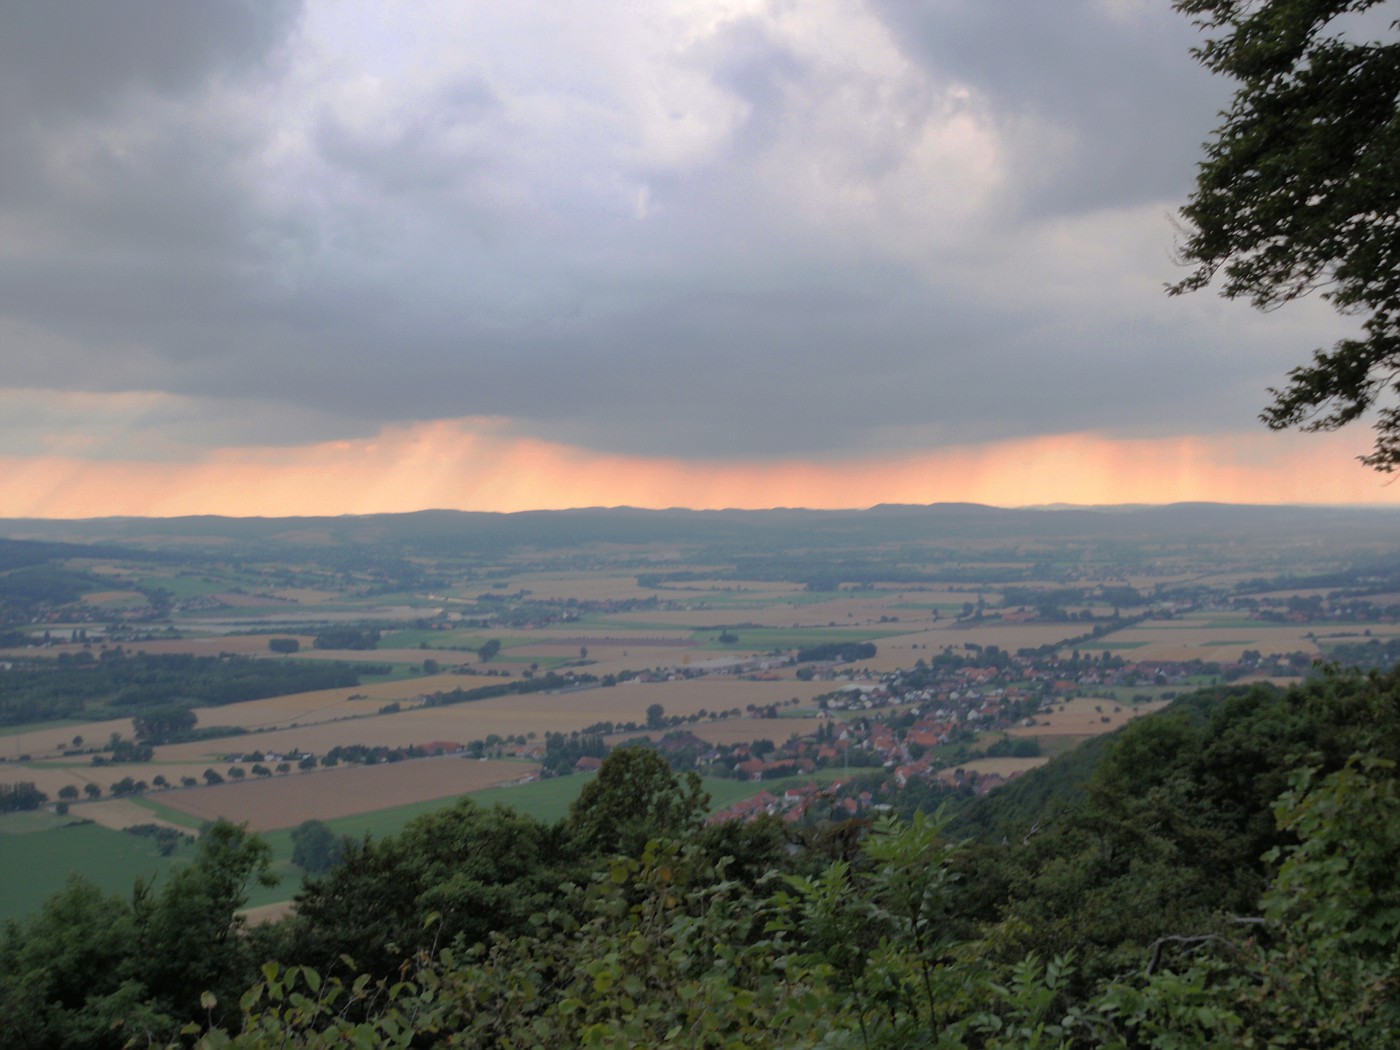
[(1219, 874)]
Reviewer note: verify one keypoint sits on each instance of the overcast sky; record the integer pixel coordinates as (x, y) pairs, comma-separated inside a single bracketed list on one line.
[(591, 238)]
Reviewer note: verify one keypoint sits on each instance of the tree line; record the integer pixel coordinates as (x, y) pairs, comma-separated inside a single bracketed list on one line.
[(127, 683)]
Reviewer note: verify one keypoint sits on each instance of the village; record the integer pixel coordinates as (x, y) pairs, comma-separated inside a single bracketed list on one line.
[(936, 723)]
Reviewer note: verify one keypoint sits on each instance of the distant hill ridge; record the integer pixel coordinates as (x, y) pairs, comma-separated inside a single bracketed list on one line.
[(435, 530)]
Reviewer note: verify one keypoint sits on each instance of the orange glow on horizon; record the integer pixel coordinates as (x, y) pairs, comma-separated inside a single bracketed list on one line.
[(464, 466)]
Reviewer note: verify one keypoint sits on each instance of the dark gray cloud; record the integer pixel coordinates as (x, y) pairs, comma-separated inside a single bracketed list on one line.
[(811, 230), (78, 57), (123, 205), (1113, 77)]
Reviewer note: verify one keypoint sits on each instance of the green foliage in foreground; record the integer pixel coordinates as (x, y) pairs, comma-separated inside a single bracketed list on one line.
[(663, 951), (1225, 876)]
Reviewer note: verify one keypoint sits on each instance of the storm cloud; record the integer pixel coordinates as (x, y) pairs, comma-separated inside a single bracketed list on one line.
[(704, 230)]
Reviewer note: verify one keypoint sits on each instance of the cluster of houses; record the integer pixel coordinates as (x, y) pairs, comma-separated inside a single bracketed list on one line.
[(911, 713), (842, 799)]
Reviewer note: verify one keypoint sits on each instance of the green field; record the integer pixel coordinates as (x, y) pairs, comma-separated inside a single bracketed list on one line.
[(764, 639), (39, 851), (38, 861), (412, 638)]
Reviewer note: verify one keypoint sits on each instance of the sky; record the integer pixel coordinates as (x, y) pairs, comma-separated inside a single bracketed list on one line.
[(270, 257)]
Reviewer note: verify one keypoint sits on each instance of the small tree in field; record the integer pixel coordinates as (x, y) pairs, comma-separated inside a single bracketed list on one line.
[(315, 848)]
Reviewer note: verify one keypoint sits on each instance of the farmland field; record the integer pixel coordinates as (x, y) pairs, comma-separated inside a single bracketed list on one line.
[(1084, 717), (1001, 767), (510, 715), (284, 802), (689, 614), (39, 862)]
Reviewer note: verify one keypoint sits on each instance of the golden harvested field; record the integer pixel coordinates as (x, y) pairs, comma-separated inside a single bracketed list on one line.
[(1002, 767), (838, 611), (715, 693), (1084, 717), (324, 705), (319, 720), (537, 713), (120, 813), (284, 802), (1203, 640), (50, 743)]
